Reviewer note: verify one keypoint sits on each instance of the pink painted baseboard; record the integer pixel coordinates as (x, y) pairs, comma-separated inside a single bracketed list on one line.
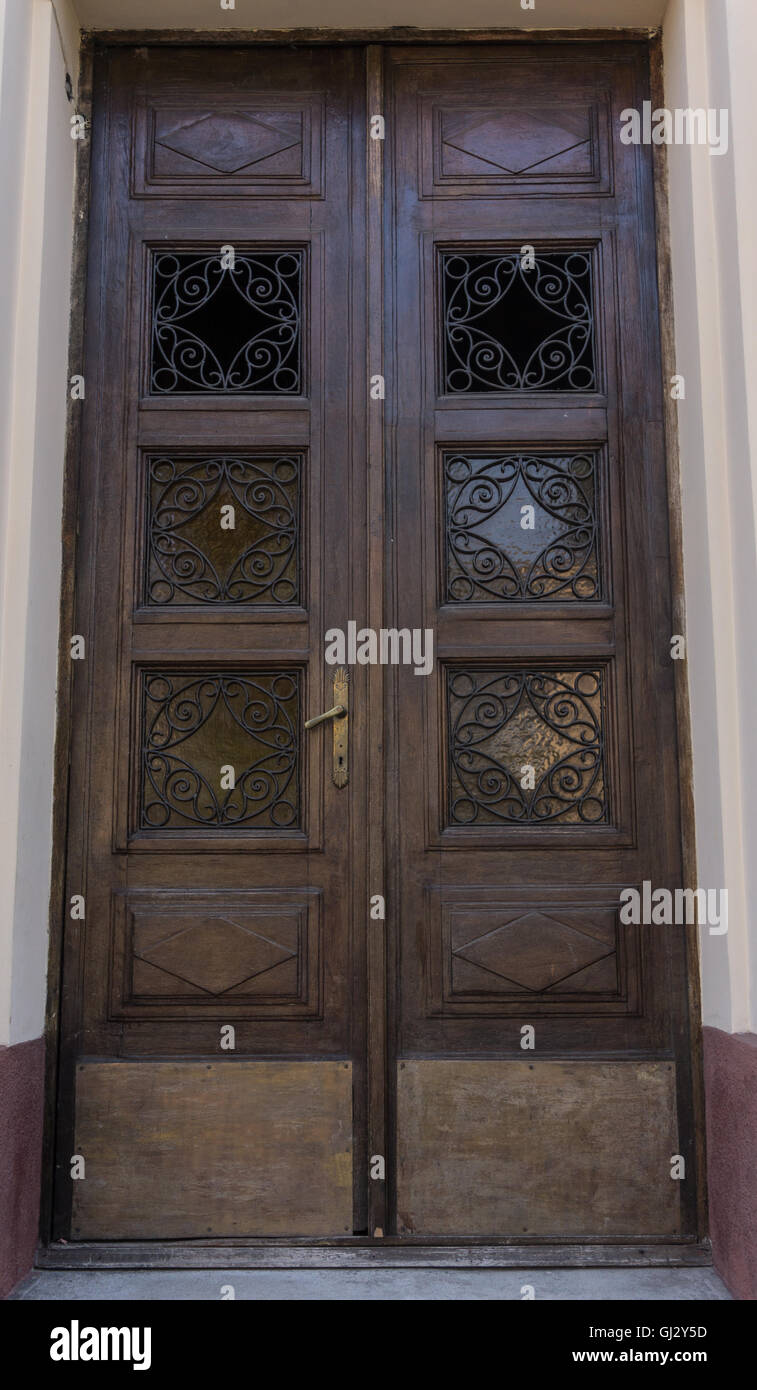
[(21, 1098), (730, 1074)]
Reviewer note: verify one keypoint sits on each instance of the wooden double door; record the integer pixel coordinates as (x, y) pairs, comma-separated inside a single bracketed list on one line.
[(361, 388)]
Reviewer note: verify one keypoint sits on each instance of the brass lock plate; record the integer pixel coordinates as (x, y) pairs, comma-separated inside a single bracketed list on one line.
[(340, 765)]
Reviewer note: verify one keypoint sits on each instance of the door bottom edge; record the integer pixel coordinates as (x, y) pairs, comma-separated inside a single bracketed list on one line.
[(169, 1255)]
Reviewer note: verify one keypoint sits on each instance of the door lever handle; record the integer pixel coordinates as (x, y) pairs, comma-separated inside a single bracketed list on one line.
[(334, 713), (340, 715)]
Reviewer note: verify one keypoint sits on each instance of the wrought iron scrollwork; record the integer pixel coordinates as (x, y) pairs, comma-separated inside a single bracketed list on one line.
[(492, 555), (227, 328), (194, 725), (191, 559), (526, 747), (511, 328)]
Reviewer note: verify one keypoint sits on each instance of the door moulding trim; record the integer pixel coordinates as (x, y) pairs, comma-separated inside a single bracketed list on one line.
[(397, 34)]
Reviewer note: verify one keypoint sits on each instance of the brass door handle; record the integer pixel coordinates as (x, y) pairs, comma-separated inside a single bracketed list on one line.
[(339, 713), (334, 713)]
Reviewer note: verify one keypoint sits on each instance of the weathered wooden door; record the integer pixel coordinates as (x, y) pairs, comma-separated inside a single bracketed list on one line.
[(543, 1066), (249, 1048), (212, 1025)]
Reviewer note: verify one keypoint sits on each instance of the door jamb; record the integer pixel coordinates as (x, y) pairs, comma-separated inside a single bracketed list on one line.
[(666, 315)]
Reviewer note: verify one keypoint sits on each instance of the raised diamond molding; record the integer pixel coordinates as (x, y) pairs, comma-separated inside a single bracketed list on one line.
[(515, 141), (216, 954), (228, 143), (534, 951)]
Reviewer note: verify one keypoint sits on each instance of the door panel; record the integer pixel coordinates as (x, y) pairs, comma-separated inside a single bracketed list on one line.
[(209, 990), (535, 769), (501, 1147), (229, 1127)]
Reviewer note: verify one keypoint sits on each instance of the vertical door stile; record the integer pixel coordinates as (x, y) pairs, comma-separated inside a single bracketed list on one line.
[(374, 715)]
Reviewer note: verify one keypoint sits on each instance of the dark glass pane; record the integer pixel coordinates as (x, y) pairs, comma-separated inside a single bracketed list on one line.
[(508, 328), (227, 329), (521, 527), (194, 725), (195, 555), (510, 728)]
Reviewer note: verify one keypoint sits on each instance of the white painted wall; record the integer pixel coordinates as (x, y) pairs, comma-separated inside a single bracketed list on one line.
[(710, 49), (710, 54), (36, 225)]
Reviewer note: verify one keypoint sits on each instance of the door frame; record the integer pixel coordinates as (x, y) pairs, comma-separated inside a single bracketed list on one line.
[(356, 1251)]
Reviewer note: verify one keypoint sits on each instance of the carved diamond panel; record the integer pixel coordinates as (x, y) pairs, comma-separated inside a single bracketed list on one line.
[(505, 951), (495, 141), (516, 141), (526, 747), (184, 952), (535, 951), (195, 146), (521, 527), (231, 142), (216, 954)]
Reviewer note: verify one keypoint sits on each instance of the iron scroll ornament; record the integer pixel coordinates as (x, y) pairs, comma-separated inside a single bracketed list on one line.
[(508, 327), (490, 555), (191, 560), (227, 328), (503, 722), (194, 725)]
